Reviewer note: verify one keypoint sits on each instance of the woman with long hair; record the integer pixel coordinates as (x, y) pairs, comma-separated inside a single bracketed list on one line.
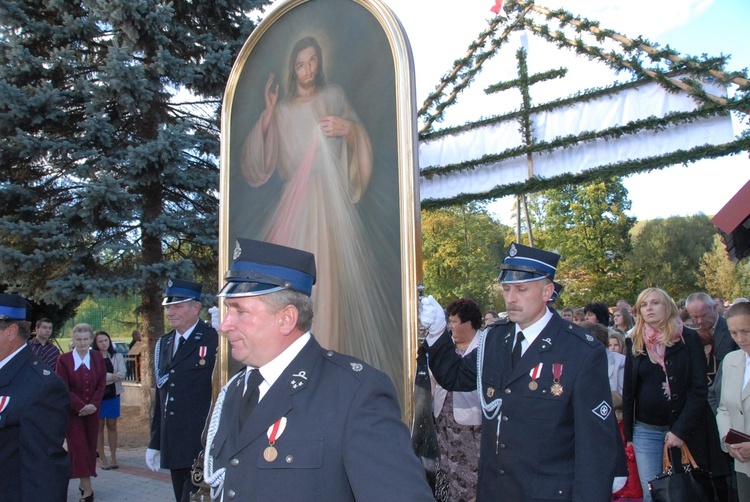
[(623, 320), (665, 390), (84, 373), (110, 412)]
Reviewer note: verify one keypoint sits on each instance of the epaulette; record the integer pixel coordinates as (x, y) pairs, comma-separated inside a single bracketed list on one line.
[(581, 333), (502, 322), (350, 364), (42, 369)]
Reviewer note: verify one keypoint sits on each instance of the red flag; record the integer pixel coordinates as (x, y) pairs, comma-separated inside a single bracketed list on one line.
[(496, 8)]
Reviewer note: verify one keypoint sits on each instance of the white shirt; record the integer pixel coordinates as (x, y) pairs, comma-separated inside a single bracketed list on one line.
[(78, 360), (747, 370), (184, 335), (532, 332), (272, 370)]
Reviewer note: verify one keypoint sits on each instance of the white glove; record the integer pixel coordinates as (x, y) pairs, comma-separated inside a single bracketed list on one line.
[(431, 316), (153, 459), (214, 311)]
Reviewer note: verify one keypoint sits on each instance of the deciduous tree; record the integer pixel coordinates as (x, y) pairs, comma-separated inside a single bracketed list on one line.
[(588, 225), (667, 253), (462, 251)]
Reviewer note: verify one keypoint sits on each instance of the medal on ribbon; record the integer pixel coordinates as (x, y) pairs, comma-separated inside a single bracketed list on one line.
[(557, 388), (534, 374), (202, 354), (274, 432)]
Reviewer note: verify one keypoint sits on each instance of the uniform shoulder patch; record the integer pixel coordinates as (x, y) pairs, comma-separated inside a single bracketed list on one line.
[(602, 410)]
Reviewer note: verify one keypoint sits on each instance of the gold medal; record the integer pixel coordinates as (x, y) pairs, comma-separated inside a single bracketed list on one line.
[(556, 389), (202, 362), (533, 385), (270, 453)]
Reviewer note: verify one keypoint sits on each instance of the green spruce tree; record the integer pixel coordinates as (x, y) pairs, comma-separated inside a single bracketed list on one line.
[(109, 142)]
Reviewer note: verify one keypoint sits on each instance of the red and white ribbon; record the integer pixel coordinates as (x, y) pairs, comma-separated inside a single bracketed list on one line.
[(536, 371), (275, 431)]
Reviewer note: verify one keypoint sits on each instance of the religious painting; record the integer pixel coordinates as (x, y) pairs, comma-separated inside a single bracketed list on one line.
[(318, 136)]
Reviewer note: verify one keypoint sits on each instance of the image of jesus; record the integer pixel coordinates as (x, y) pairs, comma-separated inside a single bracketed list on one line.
[(324, 157)]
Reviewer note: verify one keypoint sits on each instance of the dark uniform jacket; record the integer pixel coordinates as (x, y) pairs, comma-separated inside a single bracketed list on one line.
[(183, 401), (690, 415), (34, 405), (343, 439), (550, 447), (723, 341)]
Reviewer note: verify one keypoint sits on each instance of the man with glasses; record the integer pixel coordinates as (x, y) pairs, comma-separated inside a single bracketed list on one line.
[(708, 323)]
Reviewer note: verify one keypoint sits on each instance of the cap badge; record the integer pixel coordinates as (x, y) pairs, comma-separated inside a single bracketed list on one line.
[(512, 251), (237, 251), (169, 283)]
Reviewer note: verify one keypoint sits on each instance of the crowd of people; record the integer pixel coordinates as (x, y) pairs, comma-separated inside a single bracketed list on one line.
[(533, 403), (664, 368)]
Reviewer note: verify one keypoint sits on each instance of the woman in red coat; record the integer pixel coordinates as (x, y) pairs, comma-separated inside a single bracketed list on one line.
[(84, 373)]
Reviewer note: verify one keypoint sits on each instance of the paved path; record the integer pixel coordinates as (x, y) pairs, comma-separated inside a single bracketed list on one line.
[(132, 481)]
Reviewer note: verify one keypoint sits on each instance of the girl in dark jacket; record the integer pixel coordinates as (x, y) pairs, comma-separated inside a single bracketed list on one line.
[(665, 390)]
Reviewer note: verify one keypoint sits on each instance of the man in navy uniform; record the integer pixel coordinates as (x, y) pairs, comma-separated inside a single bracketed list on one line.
[(548, 431), (300, 422), (184, 364), (34, 407)]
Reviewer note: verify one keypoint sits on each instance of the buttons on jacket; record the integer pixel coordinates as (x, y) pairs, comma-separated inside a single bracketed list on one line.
[(231, 494), (234, 462), (289, 459)]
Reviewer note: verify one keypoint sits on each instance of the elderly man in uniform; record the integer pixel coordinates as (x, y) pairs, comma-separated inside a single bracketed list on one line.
[(548, 431), (300, 422), (184, 363), (34, 407)]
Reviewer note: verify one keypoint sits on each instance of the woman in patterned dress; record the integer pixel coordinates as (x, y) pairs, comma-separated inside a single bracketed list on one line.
[(458, 415)]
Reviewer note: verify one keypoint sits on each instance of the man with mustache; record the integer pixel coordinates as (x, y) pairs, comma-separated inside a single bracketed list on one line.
[(548, 430)]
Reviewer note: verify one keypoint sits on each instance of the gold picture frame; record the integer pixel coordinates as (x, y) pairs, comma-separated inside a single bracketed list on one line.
[(369, 240)]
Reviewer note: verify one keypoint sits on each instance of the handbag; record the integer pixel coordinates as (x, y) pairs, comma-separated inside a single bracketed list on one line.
[(682, 482)]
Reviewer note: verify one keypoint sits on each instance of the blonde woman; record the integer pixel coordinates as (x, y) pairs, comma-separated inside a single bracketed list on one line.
[(665, 389), (84, 373)]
